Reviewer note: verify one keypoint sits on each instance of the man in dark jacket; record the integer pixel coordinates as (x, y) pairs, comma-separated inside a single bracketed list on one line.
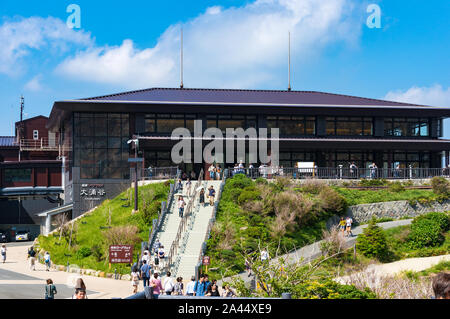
[(32, 257)]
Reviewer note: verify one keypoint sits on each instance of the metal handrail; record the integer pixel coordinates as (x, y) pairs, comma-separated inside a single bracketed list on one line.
[(182, 226), (39, 144), (161, 216), (156, 173), (341, 172)]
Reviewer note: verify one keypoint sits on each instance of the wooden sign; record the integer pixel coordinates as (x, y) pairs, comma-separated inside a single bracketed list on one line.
[(206, 260), (121, 254)]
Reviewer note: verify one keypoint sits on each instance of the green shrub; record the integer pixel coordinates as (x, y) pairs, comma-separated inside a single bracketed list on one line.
[(83, 252), (150, 212), (440, 185), (331, 201), (427, 230), (396, 187), (261, 181), (328, 289), (239, 181), (282, 183), (313, 186), (372, 242), (97, 252), (425, 233), (442, 219), (372, 182)]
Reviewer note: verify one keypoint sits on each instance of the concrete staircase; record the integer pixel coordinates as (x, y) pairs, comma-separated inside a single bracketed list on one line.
[(194, 236), (168, 231)]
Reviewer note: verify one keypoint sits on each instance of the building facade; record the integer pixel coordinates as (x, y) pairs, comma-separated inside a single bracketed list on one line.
[(30, 175), (327, 129)]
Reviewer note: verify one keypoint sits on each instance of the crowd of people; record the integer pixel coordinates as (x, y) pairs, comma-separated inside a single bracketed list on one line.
[(168, 285), (148, 271)]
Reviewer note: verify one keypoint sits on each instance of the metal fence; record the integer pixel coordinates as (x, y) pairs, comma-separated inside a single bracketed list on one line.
[(155, 173), (165, 206), (269, 172)]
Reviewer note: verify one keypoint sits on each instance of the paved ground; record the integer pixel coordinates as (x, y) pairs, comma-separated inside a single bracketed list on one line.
[(412, 264), (18, 281)]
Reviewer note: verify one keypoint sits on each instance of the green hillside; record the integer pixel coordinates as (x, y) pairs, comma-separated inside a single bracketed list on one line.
[(109, 223)]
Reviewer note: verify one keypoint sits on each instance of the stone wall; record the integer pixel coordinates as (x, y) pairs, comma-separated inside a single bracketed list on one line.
[(397, 209)]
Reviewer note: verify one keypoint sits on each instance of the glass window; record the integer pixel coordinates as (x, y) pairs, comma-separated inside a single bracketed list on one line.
[(86, 126), (292, 125), (100, 126), (102, 145), (114, 127), (349, 126), (101, 142), (17, 175), (406, 127)]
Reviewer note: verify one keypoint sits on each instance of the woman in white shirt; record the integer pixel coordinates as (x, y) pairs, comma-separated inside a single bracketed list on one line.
[(135, 280)]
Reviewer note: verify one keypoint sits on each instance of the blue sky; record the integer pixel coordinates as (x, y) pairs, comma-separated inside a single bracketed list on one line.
[(126, 45)]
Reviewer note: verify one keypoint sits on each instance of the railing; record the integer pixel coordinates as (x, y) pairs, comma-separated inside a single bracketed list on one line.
[(154, 173), (211, 222), (182, 226), (42, 144), (165, 206), (341, 173)]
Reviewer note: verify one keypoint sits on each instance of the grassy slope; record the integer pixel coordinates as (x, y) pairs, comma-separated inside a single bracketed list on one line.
[(249, 228), (356, 196), (397, 241), (89, 233)]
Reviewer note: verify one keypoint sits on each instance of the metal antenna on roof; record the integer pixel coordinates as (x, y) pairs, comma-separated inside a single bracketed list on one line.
[(181, 60), (22, 106), (20, 130), (289, 61)]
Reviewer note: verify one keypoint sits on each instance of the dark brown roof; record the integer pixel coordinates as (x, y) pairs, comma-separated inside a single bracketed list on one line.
[(233, 96)]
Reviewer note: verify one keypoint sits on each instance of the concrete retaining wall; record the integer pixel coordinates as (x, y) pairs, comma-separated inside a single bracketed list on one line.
[(396, 209)]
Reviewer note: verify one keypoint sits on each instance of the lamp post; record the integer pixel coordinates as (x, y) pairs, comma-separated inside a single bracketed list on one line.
[(136, 160)]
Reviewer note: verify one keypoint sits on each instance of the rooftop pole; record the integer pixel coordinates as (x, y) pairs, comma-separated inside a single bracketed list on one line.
[(20, 130), (289, 61), (181, 60)]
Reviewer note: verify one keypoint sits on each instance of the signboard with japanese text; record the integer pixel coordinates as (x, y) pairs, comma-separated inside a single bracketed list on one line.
[(120, 254), (92, 191)]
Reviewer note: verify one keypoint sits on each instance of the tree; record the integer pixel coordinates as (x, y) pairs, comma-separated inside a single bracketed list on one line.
[(279, 275), (372, 242)]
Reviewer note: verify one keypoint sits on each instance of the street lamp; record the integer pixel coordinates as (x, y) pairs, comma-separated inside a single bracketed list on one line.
[(135, 160)]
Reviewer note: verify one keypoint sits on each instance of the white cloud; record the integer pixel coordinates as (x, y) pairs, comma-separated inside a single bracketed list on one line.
[(434, 95), (34, 84), (20, 37), (236, 47)]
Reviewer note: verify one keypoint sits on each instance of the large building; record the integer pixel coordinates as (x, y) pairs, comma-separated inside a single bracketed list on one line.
[(30, 175), (327, 129)]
